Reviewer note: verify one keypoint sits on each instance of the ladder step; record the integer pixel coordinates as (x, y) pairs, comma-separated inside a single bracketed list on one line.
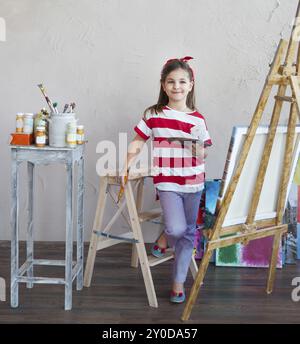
[(155, 261), (150, 215), (285, 99), (128, 237)]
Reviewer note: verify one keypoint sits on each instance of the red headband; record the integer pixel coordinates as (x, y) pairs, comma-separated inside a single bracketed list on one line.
[(183, 59)]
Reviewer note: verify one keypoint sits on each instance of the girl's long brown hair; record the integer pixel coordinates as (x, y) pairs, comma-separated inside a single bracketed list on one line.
[(163, 99)]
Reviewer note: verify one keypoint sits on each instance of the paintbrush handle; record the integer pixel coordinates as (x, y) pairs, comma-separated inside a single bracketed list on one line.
[(121, 192), (66, 108), (52, 108)]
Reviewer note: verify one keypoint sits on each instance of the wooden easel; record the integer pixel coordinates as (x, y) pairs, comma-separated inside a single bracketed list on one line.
[(281, 75), (102, 237)]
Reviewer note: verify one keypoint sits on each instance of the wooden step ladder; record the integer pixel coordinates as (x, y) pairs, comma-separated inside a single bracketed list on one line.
[(103, 237)]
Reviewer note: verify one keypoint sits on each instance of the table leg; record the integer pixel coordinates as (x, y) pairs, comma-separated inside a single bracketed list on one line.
[(29, 243), (69, 237), (80, 252), (14, 286)]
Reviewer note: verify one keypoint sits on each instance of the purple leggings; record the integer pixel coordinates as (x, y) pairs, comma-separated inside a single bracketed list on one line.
[(180, 211)]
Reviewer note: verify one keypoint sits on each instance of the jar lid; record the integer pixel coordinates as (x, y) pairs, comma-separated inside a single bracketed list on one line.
[(20, 114), (40, 128), (80, 126), (28, 114)]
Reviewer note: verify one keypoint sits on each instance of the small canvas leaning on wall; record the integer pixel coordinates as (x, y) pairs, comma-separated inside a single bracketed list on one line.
[(257, 253), (206, 215)]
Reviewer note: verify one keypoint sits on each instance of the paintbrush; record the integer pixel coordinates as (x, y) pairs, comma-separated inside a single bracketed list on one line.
[(72, 106), (42, 88), (66, 108), (121, 192), (55, 107)]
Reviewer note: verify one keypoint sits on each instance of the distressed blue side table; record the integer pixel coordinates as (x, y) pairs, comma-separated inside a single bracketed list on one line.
[(73, 269)]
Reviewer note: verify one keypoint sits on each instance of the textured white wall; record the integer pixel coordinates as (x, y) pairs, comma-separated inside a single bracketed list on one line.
[(106, 55)]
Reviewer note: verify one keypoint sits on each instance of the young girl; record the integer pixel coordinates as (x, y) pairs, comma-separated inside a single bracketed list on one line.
[(179, 180)]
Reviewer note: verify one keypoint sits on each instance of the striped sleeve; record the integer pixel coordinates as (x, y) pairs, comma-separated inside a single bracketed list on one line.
[(144, 129)]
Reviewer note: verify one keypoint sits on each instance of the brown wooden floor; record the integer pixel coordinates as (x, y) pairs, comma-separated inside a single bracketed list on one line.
[(117, 294)]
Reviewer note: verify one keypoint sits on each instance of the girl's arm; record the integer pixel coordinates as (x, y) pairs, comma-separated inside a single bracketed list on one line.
[(134, 149)]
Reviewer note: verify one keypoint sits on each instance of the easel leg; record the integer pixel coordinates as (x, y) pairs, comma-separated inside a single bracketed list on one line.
[(286, 169), (197, 284), (140, 246), (89, 268), (273, 262)]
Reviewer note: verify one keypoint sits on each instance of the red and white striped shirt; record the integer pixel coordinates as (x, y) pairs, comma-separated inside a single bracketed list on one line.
[(175, 167)]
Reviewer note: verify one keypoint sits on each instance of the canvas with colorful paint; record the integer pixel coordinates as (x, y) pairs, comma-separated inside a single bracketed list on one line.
[(206, 215), (199, 243), (256, 254), (297, 183), (292, 217)]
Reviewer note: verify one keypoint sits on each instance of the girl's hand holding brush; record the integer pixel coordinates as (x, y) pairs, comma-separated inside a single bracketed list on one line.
[(123, 182)]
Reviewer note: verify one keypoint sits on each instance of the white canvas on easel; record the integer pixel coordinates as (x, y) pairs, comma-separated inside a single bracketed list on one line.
[(239, 207)]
